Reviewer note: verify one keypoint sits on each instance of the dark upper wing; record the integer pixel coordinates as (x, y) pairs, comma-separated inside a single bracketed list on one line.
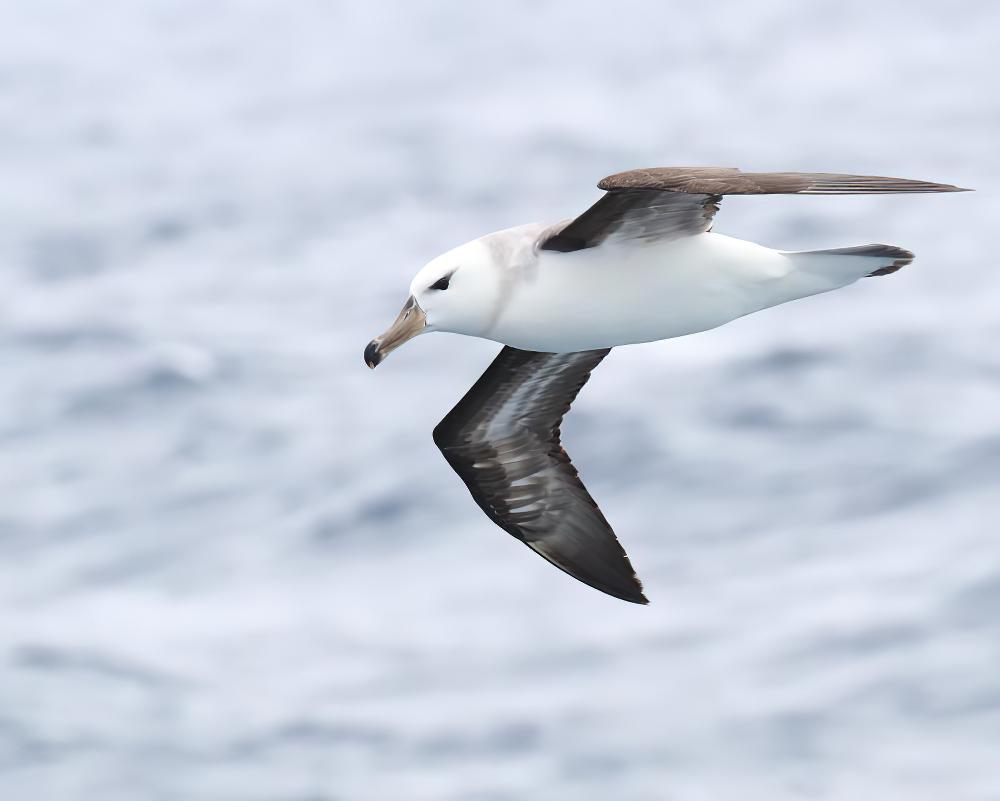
[(640, 215), (668, 202), (730, 181), (503, 441)]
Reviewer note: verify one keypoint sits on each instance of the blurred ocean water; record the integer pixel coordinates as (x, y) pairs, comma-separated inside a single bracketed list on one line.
[(233, 566)]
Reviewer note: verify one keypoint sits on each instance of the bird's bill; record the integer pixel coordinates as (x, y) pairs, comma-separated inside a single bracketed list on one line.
[(411, 321)]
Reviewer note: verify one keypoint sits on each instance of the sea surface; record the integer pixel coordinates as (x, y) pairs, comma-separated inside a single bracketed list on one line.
[(234, 567)]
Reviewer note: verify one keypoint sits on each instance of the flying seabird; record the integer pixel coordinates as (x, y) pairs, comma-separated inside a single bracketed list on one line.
[(639, 265)]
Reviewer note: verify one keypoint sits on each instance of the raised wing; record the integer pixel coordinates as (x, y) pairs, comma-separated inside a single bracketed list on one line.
[(503, 441), (669, 202)]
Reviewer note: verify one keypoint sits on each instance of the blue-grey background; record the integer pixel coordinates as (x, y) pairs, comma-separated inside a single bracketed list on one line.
[(233, 566)]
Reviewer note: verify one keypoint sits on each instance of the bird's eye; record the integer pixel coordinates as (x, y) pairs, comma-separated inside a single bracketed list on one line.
[(441, 283)]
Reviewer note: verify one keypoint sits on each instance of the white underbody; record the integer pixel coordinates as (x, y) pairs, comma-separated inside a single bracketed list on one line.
[(626, 292)]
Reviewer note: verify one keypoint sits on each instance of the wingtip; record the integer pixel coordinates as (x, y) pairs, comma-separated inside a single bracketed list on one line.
[(630, 591), (930, 186), (634, 595), (640, 592)]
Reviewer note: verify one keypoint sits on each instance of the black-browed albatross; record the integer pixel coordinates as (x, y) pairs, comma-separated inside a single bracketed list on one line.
[(639, 265)]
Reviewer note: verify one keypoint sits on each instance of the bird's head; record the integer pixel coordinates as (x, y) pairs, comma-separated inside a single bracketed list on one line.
[(455, 292)]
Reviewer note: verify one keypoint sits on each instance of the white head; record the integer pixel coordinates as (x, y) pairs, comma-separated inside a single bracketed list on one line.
[(458, 291)]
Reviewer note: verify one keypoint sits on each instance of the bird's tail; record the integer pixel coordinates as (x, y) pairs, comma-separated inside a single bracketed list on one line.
[(846, 265)]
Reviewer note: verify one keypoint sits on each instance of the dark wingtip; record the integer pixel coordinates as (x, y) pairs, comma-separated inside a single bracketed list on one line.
[(928, 186), (639, 597), (632, 592)]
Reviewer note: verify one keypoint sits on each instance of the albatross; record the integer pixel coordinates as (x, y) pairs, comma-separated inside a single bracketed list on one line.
[(641, 264)]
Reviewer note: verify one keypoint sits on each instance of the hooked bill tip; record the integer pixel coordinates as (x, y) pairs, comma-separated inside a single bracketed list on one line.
[(372, 355)]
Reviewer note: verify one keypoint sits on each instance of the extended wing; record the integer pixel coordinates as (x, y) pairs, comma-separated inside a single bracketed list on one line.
[(669, 202), (503, 441)]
